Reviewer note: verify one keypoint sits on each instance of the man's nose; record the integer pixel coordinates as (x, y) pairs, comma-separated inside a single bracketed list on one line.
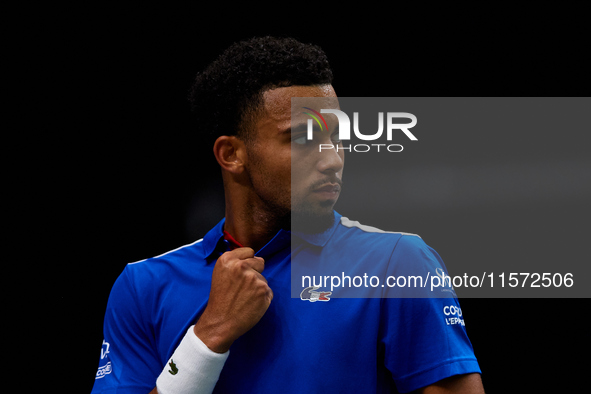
[(330, 160)]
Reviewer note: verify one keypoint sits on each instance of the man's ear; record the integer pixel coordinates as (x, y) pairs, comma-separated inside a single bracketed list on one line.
[(230, 152)]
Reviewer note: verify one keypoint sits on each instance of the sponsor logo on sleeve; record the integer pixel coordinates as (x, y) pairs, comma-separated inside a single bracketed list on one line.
[(445, 282), (453, 315), (105, 367)]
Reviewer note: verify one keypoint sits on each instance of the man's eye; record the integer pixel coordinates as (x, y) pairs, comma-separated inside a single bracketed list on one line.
[(335, 138), (301, 140)]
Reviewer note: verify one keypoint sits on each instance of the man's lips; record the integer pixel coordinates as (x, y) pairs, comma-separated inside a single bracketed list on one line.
[(329, 188), (328, 191)]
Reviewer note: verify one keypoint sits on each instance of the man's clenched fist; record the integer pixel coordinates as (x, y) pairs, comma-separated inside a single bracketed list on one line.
[(239, 297)]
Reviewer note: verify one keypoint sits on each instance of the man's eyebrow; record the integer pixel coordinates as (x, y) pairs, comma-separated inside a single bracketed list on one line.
[(301, 127)]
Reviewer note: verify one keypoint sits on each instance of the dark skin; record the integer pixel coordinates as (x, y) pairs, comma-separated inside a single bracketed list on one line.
[(261, 189), (261, 186), (258, 189)]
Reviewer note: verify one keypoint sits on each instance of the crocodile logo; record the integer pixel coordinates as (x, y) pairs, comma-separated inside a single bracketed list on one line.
[(173, 369), (309, 294)]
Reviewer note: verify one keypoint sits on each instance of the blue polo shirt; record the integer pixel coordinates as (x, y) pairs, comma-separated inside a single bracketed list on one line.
[(378, 342)]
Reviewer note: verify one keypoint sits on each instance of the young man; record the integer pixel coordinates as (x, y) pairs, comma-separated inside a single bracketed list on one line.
[(217, 315)]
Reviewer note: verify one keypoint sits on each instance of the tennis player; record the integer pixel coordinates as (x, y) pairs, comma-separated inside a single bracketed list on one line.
[(218, 315)]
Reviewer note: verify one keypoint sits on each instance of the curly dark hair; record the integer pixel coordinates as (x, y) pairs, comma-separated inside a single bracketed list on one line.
[(227, 94)]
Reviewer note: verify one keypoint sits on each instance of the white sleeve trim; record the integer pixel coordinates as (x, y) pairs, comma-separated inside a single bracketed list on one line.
[(369, 229)]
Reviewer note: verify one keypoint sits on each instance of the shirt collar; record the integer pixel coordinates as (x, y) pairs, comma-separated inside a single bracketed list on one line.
[(212, 241)]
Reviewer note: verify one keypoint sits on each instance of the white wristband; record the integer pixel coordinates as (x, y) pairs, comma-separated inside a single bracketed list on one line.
[(193, 368)]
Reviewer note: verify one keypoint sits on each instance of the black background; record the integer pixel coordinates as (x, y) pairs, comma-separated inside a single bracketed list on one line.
[(122, 176)]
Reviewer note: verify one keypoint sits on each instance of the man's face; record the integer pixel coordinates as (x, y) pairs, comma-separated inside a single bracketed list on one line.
[(287, 171)]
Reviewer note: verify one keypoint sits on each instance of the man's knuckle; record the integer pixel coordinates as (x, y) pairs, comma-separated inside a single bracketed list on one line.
[(225, 258), (262, 287), (243, 265)]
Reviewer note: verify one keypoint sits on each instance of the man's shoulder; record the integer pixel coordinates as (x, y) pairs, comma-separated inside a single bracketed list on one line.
[(170, 263), (172, 280)]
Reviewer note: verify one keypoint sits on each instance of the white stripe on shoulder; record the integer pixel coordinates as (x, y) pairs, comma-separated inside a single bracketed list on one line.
[(368, 229), (170, 251)]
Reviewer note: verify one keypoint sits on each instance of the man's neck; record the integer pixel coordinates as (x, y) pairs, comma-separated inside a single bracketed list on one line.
[(251, 224), (251, 233)]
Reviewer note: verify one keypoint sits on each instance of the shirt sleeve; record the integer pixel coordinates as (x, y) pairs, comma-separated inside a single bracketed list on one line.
[(128, 362), (424, 338)]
